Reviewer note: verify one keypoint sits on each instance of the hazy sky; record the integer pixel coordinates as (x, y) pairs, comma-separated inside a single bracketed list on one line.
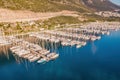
[(116, 2)]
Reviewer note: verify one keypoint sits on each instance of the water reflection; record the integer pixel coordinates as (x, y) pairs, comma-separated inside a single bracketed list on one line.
[(73, 63)]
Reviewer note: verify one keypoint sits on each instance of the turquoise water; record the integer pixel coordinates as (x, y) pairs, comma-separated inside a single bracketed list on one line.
[(99, 60)]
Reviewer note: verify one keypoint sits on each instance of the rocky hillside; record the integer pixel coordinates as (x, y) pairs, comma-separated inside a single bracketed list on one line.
[(100, 5), (43, 5), (58, 5)]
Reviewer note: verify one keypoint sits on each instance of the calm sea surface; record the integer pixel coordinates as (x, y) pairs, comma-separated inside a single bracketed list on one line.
[(99, 60)]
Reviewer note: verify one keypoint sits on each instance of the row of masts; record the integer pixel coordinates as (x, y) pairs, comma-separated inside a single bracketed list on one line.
[(78, 36), (26, 50), (71, 36), (33, 52)]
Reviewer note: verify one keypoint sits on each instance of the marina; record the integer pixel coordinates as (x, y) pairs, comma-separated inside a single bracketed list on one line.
[(77, 36), (99, 59), (59, 39)]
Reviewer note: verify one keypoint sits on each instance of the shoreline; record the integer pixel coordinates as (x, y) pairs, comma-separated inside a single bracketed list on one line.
[(57, 27)]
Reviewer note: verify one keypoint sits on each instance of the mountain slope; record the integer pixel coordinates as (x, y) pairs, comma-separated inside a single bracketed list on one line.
[(58, 5), (43, 5), (100, 5)]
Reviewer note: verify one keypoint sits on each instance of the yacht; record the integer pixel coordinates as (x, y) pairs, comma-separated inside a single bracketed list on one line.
[(42, 60)]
